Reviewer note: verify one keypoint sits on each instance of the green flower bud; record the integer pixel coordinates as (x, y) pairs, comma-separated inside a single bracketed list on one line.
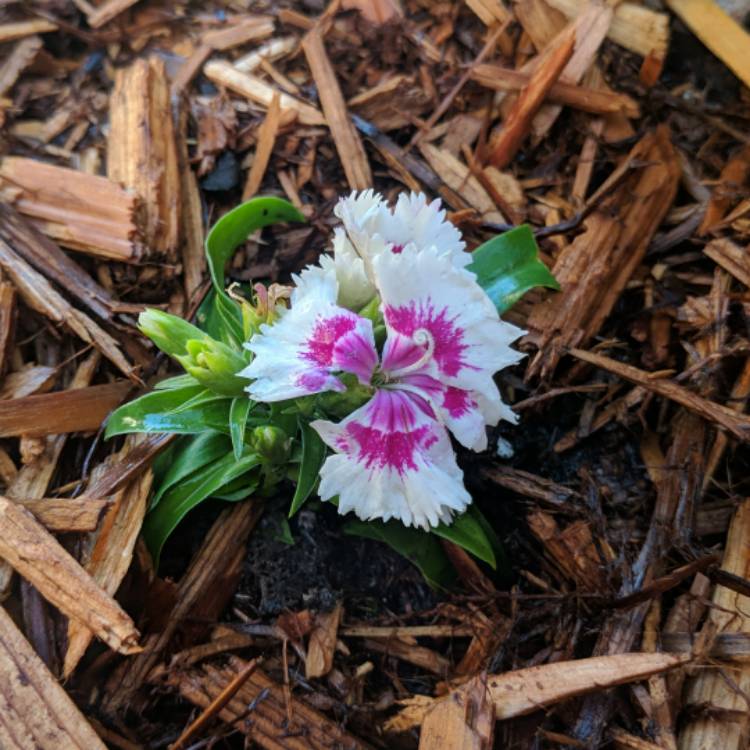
[(168, 332), (214, 365), (272, 443)]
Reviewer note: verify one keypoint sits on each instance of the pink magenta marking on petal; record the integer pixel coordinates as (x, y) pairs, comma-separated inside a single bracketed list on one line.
[(391, 437), (325, 334), (397, 249), (457, 402), (315, 381), (355, 353), (400, 351), (448, 337)]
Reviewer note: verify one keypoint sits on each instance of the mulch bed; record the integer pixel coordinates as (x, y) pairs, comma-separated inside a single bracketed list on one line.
[(130, 127)]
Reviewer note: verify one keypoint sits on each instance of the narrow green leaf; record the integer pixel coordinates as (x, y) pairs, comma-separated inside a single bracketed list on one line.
[(129, 417), (467, 532), (194, 453), (240, 489), (238, 421), (184, 411), (508, 265), (178, 381), (188, 493), (501, 558), (419, 547), (226, 235), (313, 455)]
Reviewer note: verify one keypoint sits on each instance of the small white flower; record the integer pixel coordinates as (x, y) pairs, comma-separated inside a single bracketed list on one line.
[(370, 228)]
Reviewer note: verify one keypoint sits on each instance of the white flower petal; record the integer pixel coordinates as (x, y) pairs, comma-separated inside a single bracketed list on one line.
[(371, 228), (316, 284), (355, 287), (416, 221), (425, 296), (392, 461)]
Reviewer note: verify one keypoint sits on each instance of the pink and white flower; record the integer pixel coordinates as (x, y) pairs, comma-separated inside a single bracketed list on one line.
[(444, 342)]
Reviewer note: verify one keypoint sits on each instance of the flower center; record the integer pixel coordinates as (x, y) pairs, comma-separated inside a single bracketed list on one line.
[(421, 337)]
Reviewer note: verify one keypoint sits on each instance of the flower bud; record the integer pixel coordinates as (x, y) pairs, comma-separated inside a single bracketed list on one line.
[(272, 443), (168, 332), (214, 365)]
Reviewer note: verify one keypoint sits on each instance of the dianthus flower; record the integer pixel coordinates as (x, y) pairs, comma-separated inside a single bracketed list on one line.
[(444, 342)]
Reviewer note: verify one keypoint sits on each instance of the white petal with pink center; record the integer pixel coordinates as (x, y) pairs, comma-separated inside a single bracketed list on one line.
[(442, 309), (303, 350), (392, 460)]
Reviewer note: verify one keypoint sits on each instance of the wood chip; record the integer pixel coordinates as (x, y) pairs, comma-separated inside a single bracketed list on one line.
[(111, 551), (718, 31), (245, 30), (490, 12), (39, 558), (457, 176), (80, 410), (730, 257), (348, 144), (737, 424), (222, 550), (108, 10), (376, 11), (573, 550), (62, 514), (634, 26), (595, 267), (271, 50), (516, 126), (39, 379), (527, 690), (322, 644), (724, 720), (276, 722), (467, 722), (82, 212), (223, 73), (590, 29), (39, 294), (733, 177), (594, 101), (142, 152), (46, 257), (32, 481), (21, 29), (37, 713), (263, 148), (21, 56)]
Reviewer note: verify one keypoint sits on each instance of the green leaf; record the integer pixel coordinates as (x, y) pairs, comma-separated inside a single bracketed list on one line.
[(227, 234), (194, 452), (240, 489), (238, 421), (508, 265), (129, 417), (313, 455), (178, 381), (419, 547), (188, 410), (185, 495), (467, 532)]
